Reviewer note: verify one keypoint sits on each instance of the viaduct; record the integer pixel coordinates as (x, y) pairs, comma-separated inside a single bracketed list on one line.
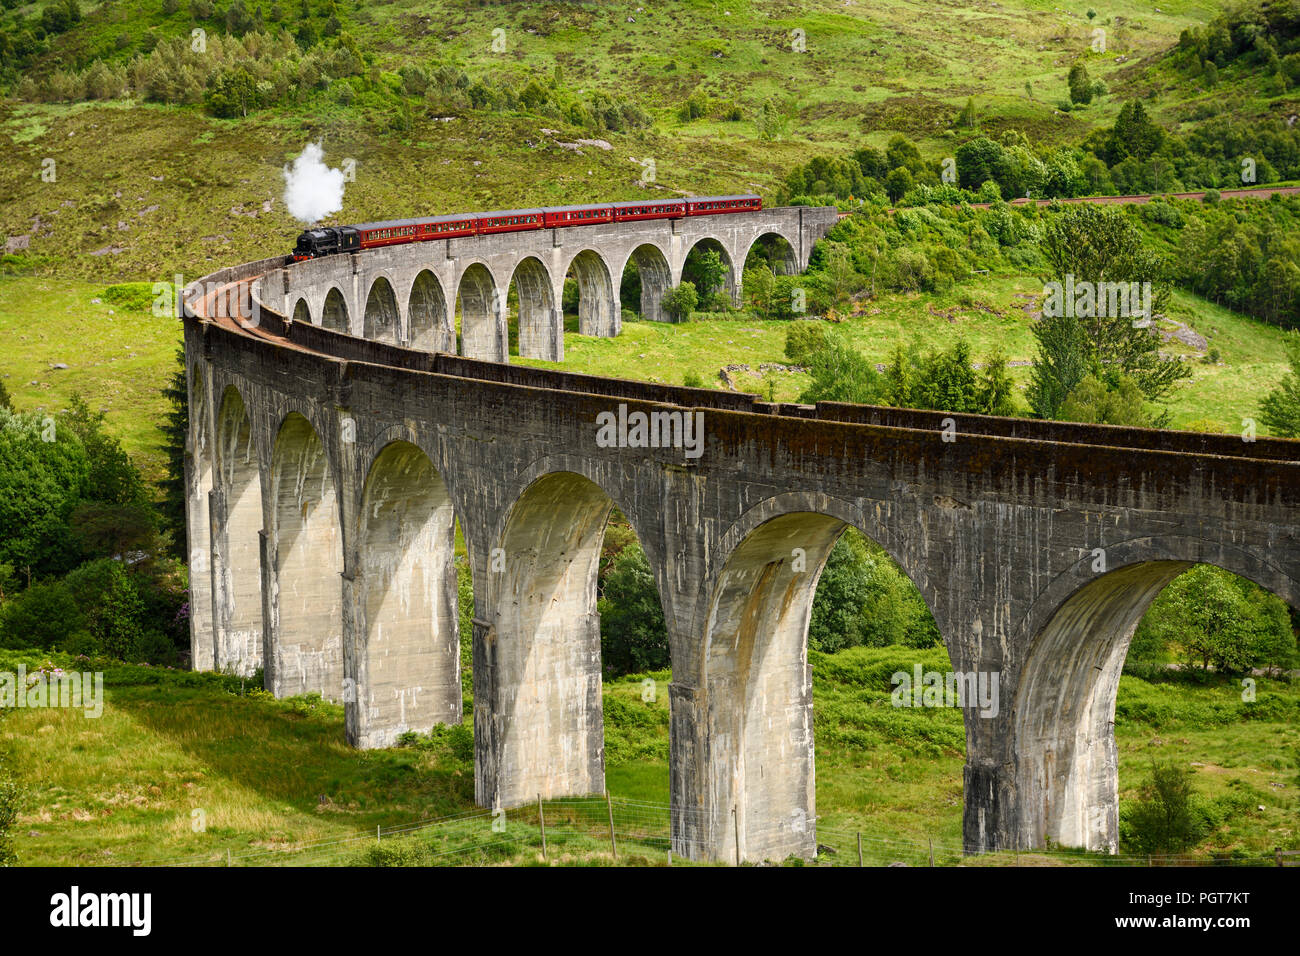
[(335, 441)]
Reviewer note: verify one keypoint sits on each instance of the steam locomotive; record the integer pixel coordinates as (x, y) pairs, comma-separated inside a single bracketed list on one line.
[(314, 243)]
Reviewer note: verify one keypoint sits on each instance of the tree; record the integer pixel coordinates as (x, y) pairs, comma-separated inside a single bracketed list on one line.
[(898, 183), (238, 20), (680, 301), (1134, 134), (978, 161), (705, 269), (840, 373), (42, 616), (175, 429), (1060, 364), (901, 151), (946, 380), (633, 634), (43, 474), (1211, 618), (871, 163), (1163, 819), (864, 599), (1093, 402), (1089, 248), (110, 604), (842, 279), (1080, 84), (112, 478), (113, 530), (844, 590), (1280, 409), (760, 285), (967, 116), (234, 95), (802, 338)]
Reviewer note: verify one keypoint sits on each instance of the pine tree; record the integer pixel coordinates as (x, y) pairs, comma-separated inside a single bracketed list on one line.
[(1080, 84), (175, 430)]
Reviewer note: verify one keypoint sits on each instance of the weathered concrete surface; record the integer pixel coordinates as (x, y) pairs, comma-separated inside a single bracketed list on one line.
[(1001, 529)]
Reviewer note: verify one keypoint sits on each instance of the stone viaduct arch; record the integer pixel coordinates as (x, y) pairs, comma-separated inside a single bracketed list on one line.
[(405, 634), (999, 530), (429, 327), (656, 278), (343, 294), (199, 519), (236, 582), (304, 561), (1066, 701), (382, 322), (541, 326)]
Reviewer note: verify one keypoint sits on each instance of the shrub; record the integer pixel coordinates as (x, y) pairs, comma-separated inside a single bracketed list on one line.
[(1164, 819), (112, 608), (803, 338), (42, 616), (396, 852), (681, 301)]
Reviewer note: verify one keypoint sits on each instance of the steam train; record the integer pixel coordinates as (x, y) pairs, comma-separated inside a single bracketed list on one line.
[(314, 243)]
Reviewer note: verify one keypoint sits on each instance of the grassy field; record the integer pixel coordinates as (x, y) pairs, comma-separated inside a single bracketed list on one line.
[(118, 358), (272, 775)]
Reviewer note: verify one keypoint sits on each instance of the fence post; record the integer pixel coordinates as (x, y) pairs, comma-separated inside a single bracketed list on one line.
[(541, 821), (859, 848), (735, 816), (610, 805), (931, 839), (377, 837), (1277, 855)]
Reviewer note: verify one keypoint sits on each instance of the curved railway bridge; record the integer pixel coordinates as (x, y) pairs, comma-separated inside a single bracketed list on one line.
[(326, 469)]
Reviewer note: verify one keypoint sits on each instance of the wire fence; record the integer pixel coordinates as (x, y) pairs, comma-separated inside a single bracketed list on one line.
[(604, 830)]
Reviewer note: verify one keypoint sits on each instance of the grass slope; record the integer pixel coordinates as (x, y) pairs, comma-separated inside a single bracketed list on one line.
[(272, 774), (143, 190)]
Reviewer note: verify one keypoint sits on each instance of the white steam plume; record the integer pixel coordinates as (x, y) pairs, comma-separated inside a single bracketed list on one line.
[(312, 190)]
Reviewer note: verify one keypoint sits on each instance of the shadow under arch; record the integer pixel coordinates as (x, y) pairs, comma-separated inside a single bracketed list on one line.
[(597, 304), (730, 278), (304, 650), (647, 276), (381, 319), (426, 310), (237, 597), (1067, 762), (537, 669), (406, 633), (334, 312), (541, 327), (774, 249), (302, 312), (481, 308)]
